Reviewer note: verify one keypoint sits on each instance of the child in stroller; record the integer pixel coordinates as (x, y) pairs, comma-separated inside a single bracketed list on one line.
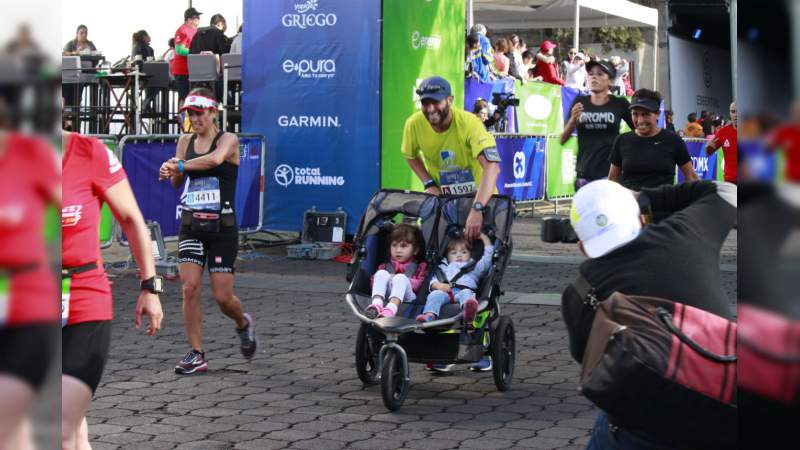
[(456, 279), (402, 276)]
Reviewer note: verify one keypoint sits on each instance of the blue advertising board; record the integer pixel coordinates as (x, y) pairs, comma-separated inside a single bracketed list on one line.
[(160, 202), (522, 167), (311, 73)]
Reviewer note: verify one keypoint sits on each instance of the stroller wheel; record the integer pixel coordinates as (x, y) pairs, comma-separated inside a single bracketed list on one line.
[(503, 353), (367, 349), (394, 385)]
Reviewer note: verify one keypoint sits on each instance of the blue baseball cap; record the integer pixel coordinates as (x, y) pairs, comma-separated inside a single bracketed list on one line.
[(435, 88)]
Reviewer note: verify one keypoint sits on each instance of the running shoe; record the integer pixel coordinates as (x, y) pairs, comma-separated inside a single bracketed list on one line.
[(248, 337), (470, 309), (441, 368), (193, 362), (484, 365), (373, 311), (428, 317)]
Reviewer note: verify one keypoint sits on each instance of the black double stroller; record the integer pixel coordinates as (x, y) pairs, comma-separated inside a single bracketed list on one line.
[(385, 346)]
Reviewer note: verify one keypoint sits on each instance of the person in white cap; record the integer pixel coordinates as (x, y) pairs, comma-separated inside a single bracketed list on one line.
[(676, 257), (575, 72)]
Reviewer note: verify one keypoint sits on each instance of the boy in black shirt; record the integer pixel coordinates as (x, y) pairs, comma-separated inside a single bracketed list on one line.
[(597, 118)]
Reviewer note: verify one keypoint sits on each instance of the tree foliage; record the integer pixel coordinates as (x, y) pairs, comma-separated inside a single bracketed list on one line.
[(625, 38)]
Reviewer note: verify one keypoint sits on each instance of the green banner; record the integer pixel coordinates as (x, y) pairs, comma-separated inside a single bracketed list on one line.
[(106, 219), (421, 38), (539, 110), (560, 167)]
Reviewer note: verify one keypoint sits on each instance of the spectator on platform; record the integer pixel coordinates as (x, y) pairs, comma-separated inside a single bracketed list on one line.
[(482, 57), (546, 64), (482, 109), (516, 66), (562, 68), (236, 42), (80, 45), (576, 71), (693, 129), (702, 121), (170, 52), (646, 157), (23, 41), (141, 50), (212, 38), (527, 64), (668, 118), (501, 61), (622, 67), (179, 67)]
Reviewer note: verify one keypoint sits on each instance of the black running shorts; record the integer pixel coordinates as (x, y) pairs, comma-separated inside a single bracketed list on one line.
[(27, 351), (85, 349), (218, 250)]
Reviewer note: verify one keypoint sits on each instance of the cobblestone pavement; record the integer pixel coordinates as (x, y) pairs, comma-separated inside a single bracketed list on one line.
[(301, 390)]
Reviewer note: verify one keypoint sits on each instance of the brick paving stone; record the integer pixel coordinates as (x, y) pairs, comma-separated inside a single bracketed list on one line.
[(319, 444), (205, 445), (543, 443), (377, 443)]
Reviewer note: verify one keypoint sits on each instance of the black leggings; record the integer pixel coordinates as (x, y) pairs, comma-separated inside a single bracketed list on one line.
[(85, 349), (27, 351)]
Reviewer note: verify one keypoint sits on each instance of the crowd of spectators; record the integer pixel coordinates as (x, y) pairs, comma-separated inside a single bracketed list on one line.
[(510, 57), (209, 39)]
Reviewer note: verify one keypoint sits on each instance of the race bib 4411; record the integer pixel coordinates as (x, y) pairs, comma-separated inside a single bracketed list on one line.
[(203, 194)]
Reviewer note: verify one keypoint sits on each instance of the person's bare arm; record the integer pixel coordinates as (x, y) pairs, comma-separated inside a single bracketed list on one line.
[(614, 172), (120, 199), (227, 149), (491, 170), (574, 116), (418, 167), (688, 172)]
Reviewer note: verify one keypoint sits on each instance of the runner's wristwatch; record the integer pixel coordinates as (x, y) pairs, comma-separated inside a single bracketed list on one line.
[(478, 206), (430, 183), (153, 284)]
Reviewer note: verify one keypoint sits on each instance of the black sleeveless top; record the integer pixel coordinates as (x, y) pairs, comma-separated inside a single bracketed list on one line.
[(222, 177)]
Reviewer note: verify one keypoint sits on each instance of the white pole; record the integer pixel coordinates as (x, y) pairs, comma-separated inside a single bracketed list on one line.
[(137, 114), (470, 14), (225, 98), (576, 39), (734, 47), (655, 60)]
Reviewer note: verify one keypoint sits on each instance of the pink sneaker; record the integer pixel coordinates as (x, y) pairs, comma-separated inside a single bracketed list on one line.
[(373, 311), (386, 312), (470, 309)]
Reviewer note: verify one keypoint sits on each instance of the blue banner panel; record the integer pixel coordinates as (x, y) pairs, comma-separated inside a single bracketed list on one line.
[(522, 167), (761, 164), (311, 73), (704, 166), (160, 202)]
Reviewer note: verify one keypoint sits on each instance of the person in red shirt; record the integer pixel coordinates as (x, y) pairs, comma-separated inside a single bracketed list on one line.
[(29, 181), (787, 138), (92, 175), (179, 66), (726, 137), (546, 64)]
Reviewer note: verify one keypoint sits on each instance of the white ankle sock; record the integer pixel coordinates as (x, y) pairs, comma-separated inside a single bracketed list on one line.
[(392, 306), (377, 301)]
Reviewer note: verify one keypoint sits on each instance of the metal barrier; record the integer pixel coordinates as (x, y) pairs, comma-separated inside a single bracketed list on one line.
[(160, 203)]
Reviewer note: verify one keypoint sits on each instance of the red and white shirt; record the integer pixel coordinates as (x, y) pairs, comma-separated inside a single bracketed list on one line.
[(726, 138), (89, 169), (29, 174)]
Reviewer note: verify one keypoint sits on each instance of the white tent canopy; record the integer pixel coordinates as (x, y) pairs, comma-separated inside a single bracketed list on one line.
[(515, 15), (506, 15)]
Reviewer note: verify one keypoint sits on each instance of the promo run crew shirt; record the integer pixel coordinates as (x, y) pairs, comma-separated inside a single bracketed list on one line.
[(451, 157), (89, 169)]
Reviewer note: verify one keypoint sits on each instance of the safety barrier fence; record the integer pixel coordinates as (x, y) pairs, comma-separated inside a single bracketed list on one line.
[(141, 157)]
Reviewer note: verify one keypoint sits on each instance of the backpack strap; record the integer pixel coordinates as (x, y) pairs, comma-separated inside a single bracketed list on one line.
[(586, 291)]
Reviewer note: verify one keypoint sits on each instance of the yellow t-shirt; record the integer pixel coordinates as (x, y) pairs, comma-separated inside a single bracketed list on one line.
[(447, 153)]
